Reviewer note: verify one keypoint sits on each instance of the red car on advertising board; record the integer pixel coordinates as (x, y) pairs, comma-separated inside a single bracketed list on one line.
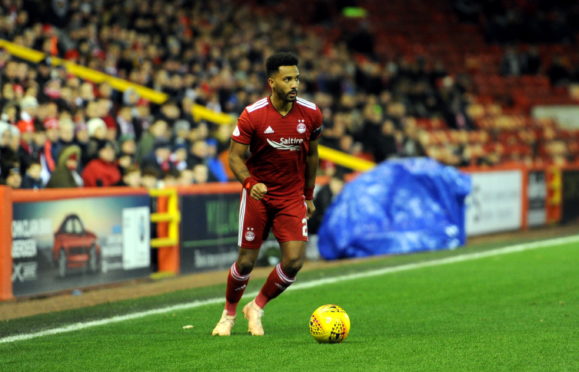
[(75, 247)]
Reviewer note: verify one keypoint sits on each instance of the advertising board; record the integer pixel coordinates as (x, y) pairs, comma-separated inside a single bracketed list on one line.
[(495, 202), (71, 243), (208, 231)]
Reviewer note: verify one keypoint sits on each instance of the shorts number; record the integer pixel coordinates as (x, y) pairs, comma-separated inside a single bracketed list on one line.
[(305, 227)]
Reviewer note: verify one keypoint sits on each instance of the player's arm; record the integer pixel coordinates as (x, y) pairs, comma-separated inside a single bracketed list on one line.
[(237, 158), (312, 161)]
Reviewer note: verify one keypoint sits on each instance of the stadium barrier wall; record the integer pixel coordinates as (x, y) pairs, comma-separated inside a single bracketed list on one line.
[(517, 197), (503, 199)]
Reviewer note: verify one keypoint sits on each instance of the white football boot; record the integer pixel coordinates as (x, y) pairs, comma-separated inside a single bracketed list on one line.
[(224, 326), (253, 314)]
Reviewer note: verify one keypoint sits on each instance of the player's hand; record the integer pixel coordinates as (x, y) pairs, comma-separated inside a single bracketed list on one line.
[(258, 191), (311, 208)]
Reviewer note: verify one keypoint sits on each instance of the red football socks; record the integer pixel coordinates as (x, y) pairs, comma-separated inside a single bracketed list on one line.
[(276, 283), (236, 285)]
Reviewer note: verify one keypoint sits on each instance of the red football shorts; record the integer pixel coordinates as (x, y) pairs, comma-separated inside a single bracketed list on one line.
[(286, 218)]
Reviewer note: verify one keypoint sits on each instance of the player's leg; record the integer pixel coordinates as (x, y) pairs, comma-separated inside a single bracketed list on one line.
[(252, 227), (290, 228), (281, 277), (238, 278), (284, 273)]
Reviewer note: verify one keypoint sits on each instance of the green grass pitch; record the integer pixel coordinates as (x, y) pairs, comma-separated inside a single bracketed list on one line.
[(511, 312)]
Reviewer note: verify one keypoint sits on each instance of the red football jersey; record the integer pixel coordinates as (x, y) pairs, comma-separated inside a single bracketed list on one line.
[(279, 144)]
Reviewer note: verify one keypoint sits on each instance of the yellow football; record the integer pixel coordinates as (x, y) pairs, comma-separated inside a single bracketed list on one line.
[(329, 324)]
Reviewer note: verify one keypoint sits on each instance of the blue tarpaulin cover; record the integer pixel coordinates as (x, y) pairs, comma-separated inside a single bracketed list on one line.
[(400, 206)]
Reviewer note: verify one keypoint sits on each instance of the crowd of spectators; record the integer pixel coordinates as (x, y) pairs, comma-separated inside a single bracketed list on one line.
[(523, 25), (523, 21), (560, 70), (64, 132), (57, 130)]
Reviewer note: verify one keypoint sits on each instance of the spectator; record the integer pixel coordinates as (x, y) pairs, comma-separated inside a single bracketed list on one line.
[(13, 178), (131, 177), (65, 174), (179, 156), (170, 112), (10, 112), (126, 123), (104, 109), (65, 136), (7, 156), (216, 167), (37, 152), (531, 61), (371, 128), (200, 174), (157, 132), (97, 132), (127, 151), (408, 141), (186, 177), (11, 152), (97, 129), (82, 138), (5, 134), (386, 145), (102, 171), (32, 179), (558, 71), (324, 198), (511, 64), (124, 162), (170, 178), (51, 143), (28, 108), (26, 150), (160, 158), (181, 131), (197, 153), (150, 178)]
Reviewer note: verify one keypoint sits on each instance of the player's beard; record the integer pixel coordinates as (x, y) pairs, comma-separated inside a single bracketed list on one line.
[(286, 96)]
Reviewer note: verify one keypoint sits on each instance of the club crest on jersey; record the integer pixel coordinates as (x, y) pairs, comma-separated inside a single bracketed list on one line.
[(301, 128), (249, 234)]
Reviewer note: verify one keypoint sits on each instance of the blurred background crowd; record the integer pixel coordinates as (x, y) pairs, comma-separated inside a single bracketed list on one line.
[(455, 80)]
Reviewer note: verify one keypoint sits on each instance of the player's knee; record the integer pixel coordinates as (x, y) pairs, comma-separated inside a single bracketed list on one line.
[(245, 266), (246, 262), (292, 266)]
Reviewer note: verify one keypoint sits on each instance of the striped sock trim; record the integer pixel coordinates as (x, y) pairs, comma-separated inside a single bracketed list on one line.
[(282, 275), (235, 274)]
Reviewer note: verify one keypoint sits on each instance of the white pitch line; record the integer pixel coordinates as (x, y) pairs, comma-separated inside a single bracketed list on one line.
[(310, 284)]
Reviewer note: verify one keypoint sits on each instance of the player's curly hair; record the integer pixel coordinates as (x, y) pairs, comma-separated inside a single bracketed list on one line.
[(279, 59)]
